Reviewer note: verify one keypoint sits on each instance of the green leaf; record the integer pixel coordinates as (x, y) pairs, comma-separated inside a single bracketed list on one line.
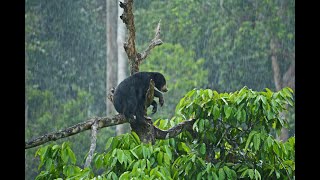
[(251, 173), (64, 155), (199, 176), (242, 169), (112, 176), (276, 148), (257, 174), (233, 174), (203, 149), (227, 111), (210, 93), (222, 175), (136, 137), (166, 159), (193, 158), (55, 147), (98, 161), (188, 167), (216, 111), (71, 155), (227, 171), (214, 175), (244, 115), (144, 152), (256, 141), (48, 164), (124, 176), (277, 174), (168, 151), (288, 91), (201, 125), (244, 173), (239, 115), (249, 139), (264, 100), (64, 145), (109, 143), (134, 154), (208, 168), (269, 92), (269, 141), (184, 147), (160, 157), (224, 101), (120, 155)]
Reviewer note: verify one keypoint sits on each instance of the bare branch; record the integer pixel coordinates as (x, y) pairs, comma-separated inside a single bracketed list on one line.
[(156, 41), (102, 122), (93, 144), (174, 131)]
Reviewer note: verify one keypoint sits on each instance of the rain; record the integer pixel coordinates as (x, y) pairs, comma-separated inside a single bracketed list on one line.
[(219, 45)]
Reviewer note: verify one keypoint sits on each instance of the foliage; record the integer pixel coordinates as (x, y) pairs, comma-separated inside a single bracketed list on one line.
[(233, 37), (65, 69), (234, 128), (63, 51), (230, 140)]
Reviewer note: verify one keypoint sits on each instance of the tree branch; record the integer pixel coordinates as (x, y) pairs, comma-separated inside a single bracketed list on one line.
[(174, 131), (102, 122), (156, 41), (130, 47), (93, 144), (75, 129)]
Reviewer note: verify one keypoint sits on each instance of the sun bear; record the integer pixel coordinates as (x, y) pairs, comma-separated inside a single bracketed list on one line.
[(130, 95)]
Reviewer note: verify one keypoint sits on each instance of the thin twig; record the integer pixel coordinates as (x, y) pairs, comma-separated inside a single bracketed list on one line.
[(94, 128)]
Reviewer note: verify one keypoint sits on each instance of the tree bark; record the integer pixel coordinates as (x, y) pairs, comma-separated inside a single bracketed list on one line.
[(103, 122), (275, 66), (94, 129), (112, 50), (287, 80), (75, 129), (122, 63)]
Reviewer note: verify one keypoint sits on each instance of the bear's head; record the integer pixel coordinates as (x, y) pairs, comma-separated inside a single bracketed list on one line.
[(160, 82)]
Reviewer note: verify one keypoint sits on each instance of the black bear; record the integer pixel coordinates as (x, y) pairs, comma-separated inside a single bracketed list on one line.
[(130, 95)]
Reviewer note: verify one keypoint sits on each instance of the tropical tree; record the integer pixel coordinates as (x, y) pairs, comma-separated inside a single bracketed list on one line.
[(230, 139)]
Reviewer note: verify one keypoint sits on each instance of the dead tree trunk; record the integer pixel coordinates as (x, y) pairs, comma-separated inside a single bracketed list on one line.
[(112, 49), (287, 80), (145, 132), (122, 63)]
